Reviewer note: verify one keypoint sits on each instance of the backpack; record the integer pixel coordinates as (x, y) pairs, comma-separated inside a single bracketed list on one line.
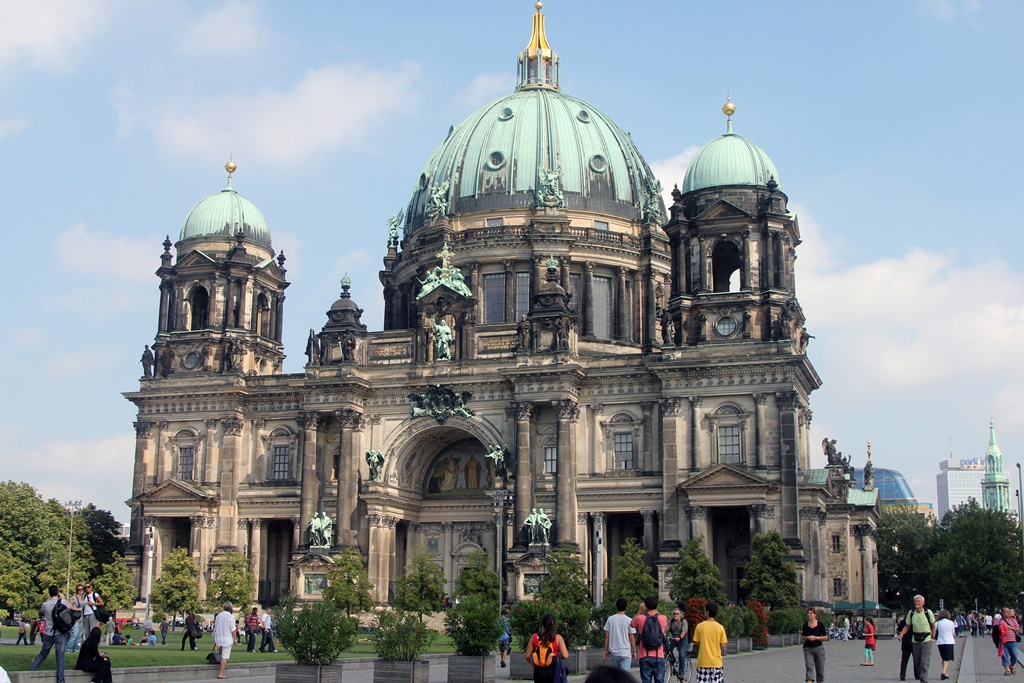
[(653, 637), (62, 617), (543, 654), (997, 632), (924, 634)]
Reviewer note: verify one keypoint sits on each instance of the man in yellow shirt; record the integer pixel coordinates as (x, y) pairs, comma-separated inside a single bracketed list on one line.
[(710, 636)]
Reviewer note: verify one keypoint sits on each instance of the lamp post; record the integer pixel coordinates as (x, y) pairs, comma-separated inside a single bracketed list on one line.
[(500, 498), (72, 506), (1020, 511), (149, 572)]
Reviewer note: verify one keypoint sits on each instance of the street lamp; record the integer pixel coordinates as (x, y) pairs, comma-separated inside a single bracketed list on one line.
[(1020, 511), (149, 572), (72, 506), (500, 499)]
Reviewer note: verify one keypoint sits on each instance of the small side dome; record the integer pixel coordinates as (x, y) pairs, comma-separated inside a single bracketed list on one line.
[(729, 160), (222, 214)]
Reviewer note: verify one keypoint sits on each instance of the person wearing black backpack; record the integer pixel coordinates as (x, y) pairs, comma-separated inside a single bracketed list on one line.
[(651, 627), (55, 633)]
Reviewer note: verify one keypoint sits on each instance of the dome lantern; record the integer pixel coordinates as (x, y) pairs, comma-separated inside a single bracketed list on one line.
[(538, 63)]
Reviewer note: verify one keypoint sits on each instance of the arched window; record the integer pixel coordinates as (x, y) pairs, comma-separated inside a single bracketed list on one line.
[(200, 304), (725, 266), (186, 450), (729, 443), (261, 317)]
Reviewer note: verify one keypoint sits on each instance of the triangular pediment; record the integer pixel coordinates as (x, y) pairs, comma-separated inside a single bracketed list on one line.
[(722, 209), (175, 491), (195, 258), (270, 267), (449, 291), (725, 476)]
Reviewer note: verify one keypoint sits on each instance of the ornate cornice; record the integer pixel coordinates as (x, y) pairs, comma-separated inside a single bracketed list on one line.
[(761, 511), (308, 420), (351, 419), (670, 407), (567, 409), (142, 429), (696, 512), (232, 426)]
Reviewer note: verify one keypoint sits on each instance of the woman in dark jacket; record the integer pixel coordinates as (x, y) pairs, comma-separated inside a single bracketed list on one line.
[(89, 657), (190, 630), (906, 650)]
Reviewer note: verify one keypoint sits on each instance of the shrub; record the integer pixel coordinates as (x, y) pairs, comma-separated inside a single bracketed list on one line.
[(473, 625), (315, 634), (737, 621), (759, 632), (789, 620), (695, 611), (524, 619), (401, 636)]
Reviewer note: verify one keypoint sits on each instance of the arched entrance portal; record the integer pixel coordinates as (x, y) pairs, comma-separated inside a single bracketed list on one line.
[(436, 495)]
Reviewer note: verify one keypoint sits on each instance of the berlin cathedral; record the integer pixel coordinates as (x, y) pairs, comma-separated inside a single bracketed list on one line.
[(562, 360)]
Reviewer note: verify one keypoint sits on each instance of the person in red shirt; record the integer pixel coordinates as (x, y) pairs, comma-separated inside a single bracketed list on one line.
[(869, 642), (652, 662), (252, 624)]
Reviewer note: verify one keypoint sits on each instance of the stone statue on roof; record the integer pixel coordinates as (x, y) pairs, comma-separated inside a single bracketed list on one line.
[(393, 223), (437, 205)]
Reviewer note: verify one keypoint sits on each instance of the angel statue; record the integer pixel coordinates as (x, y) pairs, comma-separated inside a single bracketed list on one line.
[(500, 456), (375, 460), (829, 447), (393, 223)]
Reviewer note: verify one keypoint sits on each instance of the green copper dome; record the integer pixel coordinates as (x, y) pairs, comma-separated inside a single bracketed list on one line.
[(221, 215), (536, 147), (729, 160)]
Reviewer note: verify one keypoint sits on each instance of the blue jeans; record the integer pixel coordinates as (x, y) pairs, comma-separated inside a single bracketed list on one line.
[(75, 639), (680, 649), (1010, 653), (59, 642), (652, 669), (620, 662)]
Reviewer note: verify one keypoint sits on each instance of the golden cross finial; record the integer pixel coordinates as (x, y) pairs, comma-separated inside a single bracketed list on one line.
[(445, 255)]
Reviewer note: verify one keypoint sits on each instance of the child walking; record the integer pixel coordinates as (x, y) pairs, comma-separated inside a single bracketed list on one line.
[(869, 642)]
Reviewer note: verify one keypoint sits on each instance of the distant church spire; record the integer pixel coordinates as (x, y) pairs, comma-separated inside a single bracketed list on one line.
[(995, 485), (538, 63)]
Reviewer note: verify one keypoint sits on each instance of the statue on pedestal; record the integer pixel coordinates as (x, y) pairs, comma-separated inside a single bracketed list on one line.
[(375, 460), (320, 531)]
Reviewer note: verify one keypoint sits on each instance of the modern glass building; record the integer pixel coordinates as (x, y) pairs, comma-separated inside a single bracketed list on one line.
[(893, 490), (959, 481)]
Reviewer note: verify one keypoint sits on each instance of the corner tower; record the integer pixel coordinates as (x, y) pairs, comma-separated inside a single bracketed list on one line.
[(222, 298), (995, 485)]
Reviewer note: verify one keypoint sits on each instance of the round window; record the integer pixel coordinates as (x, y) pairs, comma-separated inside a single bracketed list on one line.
[(505, 114), (598, 164), (495, 161), (583, 116), (191, 360), (725, 326)]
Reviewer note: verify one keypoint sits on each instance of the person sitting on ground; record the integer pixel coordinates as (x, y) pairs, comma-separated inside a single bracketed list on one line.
[(90, 659)]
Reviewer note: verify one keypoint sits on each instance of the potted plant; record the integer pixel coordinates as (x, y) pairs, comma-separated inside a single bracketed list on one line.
[(474, 627), (524, 619), (314, 636), (402, 636)]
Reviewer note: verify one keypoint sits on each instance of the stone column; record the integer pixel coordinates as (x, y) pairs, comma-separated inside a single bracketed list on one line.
[(650, 437), (650, 313), (349, 457), (761, 457), (523, 411), (622, 312), (564, 260), (256, 555), (163, 467), (588, 300), (226, 531), (209, 471), (568, 413), (296, 535), (140, 478), (599, 570), (510, 291), (786, 402), (382, 539), (536, 274), (638, 300), (279, 321), (310, 477), (164, 313), (670, 409), (698, 516), (245, 304), (477, 287), (696, 447), (650, 537)]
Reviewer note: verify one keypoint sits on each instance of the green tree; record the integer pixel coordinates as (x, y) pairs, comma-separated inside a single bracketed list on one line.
[(630, 578), (177, 587), (768, 576), (104, 538), (17, 590), (421, 588), (695, 575), (978, 556), (478, 578), (233, 583), (115, 582), (347, 584), (473, 624), (567, 581), (906, 543)]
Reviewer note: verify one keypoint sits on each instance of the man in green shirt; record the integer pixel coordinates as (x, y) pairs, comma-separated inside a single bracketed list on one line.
[(921, 629)]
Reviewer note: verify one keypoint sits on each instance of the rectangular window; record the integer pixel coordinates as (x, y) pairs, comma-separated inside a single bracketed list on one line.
[(550, 459), (495, 222), (522, 295), (837, 586), (494, 299), (600, 225), (837, 543), (729, 444), (575, 287), (602, 307), (186, 462), (624, 451), (281, 463)]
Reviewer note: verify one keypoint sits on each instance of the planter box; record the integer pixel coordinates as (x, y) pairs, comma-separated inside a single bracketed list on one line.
[(401, 672), (290, 672), (792, 638), (577, 662), (776, 641), (732, 647), (471, 669), (744, 644), (595, 657), (518, 667)]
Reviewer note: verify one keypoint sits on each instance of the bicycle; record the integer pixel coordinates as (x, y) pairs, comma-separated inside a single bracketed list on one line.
[(672, 664)]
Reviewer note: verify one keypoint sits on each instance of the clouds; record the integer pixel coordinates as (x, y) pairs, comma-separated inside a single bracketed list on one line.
[(948, 10), (115, 258), (12, 126), (483, 89), (232, 28), (49, 34), (328, 108), (671, 171)]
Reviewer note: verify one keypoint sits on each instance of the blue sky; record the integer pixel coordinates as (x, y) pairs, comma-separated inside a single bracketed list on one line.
[(894, 125)]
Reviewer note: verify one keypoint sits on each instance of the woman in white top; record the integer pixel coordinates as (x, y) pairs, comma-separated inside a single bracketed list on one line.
[(224, 634), (944, 638)]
